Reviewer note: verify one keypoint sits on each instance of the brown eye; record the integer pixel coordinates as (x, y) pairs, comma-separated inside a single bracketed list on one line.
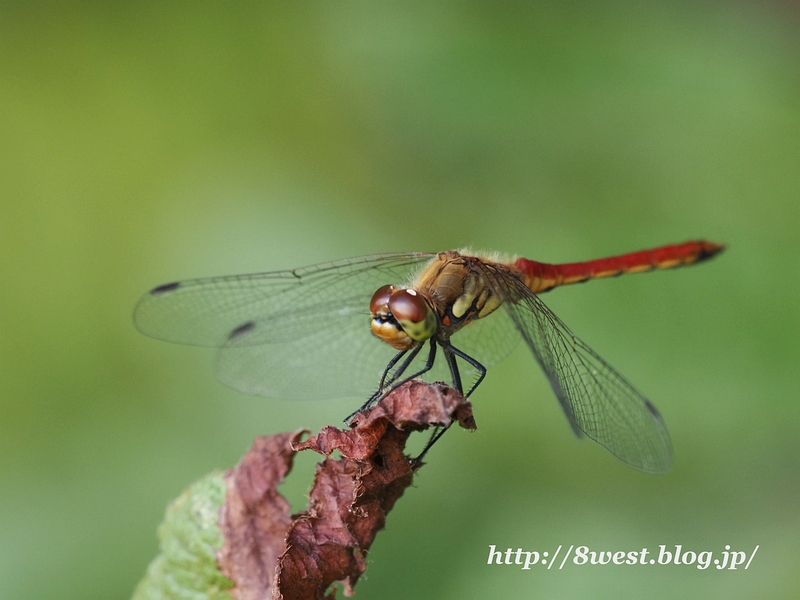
[(380, 299), (406, 305)]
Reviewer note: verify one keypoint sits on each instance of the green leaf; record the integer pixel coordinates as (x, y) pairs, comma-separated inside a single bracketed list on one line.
[(189, 538)]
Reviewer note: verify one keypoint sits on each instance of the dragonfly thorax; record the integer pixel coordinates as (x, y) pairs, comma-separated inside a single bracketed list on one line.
[(459, 293), (401, 317)]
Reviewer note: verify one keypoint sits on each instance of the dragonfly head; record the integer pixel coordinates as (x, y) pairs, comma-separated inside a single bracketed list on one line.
[(401, 317)]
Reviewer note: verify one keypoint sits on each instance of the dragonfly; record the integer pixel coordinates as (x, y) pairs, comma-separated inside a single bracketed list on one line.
[(357, 328)]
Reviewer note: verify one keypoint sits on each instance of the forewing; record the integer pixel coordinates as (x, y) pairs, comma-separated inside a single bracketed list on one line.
[(596, 399), (303, 333), (344, 362)]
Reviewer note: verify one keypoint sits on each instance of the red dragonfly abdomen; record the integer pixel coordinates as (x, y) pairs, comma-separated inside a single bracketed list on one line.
[(540, 277)]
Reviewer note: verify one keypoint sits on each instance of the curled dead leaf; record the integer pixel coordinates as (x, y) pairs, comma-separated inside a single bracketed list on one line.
[(269, 553)]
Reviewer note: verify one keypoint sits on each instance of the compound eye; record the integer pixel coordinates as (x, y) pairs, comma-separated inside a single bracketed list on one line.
[(413, 314), (408, 306), (380, 299)]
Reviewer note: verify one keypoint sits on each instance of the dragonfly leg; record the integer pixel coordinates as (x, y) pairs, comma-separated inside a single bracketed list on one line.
[(399, 370), (451, 363), (394, 384), (450, 354), (392, 380), (382, 386), (392, 363), (438, 432)]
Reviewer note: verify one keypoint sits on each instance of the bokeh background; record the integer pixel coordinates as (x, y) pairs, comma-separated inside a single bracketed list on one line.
[(143, 142)]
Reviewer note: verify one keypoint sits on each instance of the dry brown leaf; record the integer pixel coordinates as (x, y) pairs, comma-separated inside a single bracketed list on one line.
[(255, 517), (267, 552)]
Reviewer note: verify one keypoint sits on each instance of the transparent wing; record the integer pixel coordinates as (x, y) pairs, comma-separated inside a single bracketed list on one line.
[(597, 400), (325, 363), (297, 334)]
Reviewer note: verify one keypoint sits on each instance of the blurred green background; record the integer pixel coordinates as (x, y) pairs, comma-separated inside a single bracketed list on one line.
[(142, 143)]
